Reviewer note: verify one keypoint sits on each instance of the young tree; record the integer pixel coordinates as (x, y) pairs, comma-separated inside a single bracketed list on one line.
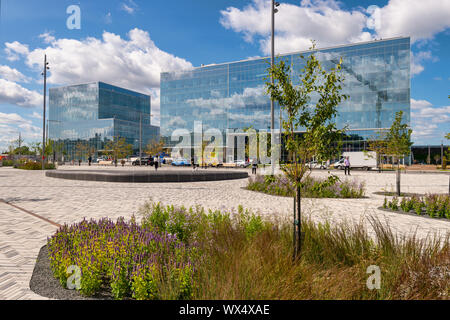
[(398, 141), (378, 144), (320, 137), (154, 147), (118, 148), (81, 149), (36, 148)]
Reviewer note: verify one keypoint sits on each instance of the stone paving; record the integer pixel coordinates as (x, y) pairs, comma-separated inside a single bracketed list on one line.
[(69, 201)]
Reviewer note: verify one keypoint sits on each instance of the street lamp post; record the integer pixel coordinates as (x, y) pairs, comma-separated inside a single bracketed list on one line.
[(272, 60), (44, 73)]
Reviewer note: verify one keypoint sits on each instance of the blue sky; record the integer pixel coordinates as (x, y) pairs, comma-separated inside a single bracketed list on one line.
[(129, 42)]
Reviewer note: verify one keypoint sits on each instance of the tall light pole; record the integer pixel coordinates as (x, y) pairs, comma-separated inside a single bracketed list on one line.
[(44, 73), (272, 61), (140, 138)]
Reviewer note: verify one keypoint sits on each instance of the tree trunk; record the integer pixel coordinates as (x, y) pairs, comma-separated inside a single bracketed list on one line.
[(398, 179), (298, 223)]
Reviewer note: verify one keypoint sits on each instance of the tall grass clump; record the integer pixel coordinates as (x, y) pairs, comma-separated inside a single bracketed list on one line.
[(330, 187)]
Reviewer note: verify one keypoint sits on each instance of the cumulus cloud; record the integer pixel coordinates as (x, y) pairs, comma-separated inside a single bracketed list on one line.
[(329, 24), (47, 37), (14, 50), (417, 18), (12, 74), (297, 25), (428, 122), (10, 126), (13, 93), (134, 63)]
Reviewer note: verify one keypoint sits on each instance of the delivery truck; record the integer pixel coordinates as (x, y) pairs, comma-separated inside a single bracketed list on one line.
[(358, 159)]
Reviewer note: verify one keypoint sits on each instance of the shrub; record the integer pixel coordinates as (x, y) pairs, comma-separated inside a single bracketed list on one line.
[(8, 163), (330, 187), (434, 205), (34, 166), (120, 254)]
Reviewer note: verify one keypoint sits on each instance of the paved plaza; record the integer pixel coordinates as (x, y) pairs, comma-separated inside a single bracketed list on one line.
[(57, 201)]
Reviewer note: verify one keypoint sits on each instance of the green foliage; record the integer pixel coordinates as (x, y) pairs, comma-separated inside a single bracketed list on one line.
[(131, 259), (240, 255), (30, 165), (118, 148), (321, 134), (393, 204), (398, 138), (331, 187), (434, 205), (8, 163)]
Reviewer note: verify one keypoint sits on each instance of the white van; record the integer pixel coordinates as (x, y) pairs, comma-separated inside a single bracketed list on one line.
[(358, 159)]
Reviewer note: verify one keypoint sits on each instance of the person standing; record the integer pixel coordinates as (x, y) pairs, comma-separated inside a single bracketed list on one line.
[(347, 166), (156, 163), (254, 166), (90, 160)]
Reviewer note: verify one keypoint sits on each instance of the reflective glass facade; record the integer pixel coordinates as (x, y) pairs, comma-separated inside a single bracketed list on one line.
[(94, 113), (232, 95)]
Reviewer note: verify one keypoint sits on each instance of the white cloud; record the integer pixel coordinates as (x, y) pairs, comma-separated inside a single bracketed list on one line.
[(134, 63), (127, 8), (11, 74), (14, 50), (420, 104), (428, 122), (417, 18), (36, 115), (130, 7), (48, 38), (13, 93), (329, 24), (10, 126), (297, 25)]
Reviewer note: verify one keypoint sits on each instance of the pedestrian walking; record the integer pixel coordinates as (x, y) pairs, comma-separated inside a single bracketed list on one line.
[(90, 160), (347, 166), (254, 166), (156, 163)]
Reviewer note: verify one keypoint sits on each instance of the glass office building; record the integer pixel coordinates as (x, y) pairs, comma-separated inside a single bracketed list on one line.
[(94, 113), (232, 95)]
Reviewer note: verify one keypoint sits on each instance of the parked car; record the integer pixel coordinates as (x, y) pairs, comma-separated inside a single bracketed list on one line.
[(242, 163), (316, 165), (180, 162), (145, 161)]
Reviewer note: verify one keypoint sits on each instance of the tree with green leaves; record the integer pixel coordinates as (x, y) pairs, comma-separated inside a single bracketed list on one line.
[(36, 148), (82, 149), (398, 142), (316, 117), (118, 148), (378, 144), (154, 147)]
